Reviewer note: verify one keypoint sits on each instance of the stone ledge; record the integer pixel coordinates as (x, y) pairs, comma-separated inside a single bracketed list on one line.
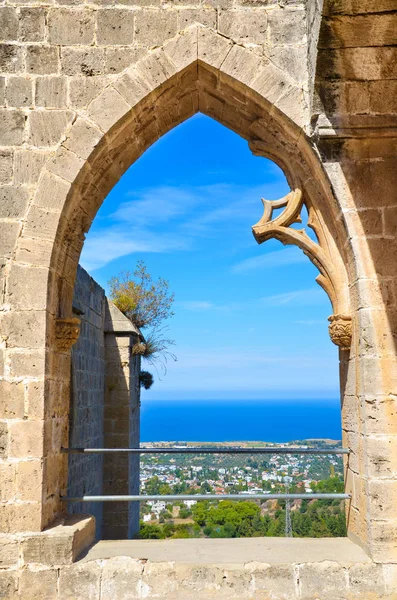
[(127, 578), (60, 544), (233, 551)]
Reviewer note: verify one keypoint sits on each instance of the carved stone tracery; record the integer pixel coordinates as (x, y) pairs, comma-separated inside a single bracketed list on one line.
[(67, 332), (329, 278)]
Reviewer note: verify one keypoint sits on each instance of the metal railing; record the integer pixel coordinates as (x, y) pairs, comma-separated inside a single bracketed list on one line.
[(243, 496)]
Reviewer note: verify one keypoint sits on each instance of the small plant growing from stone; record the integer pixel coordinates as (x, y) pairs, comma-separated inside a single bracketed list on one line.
[(146, 380), (147, 303)]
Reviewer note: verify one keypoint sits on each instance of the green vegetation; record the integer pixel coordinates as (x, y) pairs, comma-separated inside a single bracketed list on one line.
[(228, 519), (147, 304)]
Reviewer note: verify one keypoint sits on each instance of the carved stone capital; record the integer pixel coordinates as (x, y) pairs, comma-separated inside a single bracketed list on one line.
[(67, 332), (340, 330)]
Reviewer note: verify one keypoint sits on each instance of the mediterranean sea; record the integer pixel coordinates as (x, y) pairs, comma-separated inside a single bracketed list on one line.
[(239, 420)]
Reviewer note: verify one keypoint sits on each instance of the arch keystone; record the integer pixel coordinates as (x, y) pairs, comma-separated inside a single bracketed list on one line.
[(182, 49), (212, 48)]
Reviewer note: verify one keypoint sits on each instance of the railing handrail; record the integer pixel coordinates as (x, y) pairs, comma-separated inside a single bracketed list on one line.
[(179, 497), (210, 450)]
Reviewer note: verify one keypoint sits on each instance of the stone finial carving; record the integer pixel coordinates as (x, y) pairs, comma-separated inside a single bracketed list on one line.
[(280, 229), (340, 330), (67, 332)]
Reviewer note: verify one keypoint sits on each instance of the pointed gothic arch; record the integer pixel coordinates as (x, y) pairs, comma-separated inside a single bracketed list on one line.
[(199, 70)]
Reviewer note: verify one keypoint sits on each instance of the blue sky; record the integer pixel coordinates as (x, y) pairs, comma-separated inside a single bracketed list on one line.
[(250, 321)]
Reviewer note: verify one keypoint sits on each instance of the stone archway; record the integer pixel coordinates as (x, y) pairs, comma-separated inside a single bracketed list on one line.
[(199, 70)]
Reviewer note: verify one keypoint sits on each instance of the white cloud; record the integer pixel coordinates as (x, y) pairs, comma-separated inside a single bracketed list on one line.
[(299, 297), (142, 221), (271, 260), (104, 246), (196, 305)]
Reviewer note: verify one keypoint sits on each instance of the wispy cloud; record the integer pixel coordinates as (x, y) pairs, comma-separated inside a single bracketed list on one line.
[(169, 219), (299, 297), (196, 305), (104, 246), (271, 260), (205, 306)]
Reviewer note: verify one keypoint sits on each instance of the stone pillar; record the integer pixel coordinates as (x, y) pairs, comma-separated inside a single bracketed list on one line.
[(121, 424)]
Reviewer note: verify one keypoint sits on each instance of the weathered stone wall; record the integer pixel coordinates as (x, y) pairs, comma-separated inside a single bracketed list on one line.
[(121, 425), (125, 578), (72, 121), (357, 136), (86, 429), (104, 411)]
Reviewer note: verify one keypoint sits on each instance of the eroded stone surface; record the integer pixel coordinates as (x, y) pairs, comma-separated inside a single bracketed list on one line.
[(65, 117)]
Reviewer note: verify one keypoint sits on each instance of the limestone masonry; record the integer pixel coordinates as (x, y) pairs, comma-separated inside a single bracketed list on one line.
[(85, 89)]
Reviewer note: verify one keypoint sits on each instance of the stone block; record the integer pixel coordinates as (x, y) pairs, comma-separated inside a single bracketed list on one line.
[(156, 68), (24, 516), (118, 59), (121, 578), (32, 22), (115, 27), (182, 50), (37, 582), (27, 287), (244, 26), (23, 329), (47, 127), (89, 61), (287, 25), (326, 580), (191, 16), (61, 544), (8, 239), (382, 495), (19, 92), (291, 60), (26, 364), (383, 97), (6, 166), (70, 27), (28, 165), (242, 64), (52, 191), (80, 581), (360, 30), (9, 24), (42, 60), (132, 87), (8, 585), (26, 439), (366, 579), (29, 480), (82, 90), (7, 481), (51, 92), (383, 541), (10, 58), (273, 579), (11, 400), (9, 551), (3, 439), (212, 48), (65, 164), (13, 202), (12, 127), (107, 108), (153, 28), (82, 138)]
